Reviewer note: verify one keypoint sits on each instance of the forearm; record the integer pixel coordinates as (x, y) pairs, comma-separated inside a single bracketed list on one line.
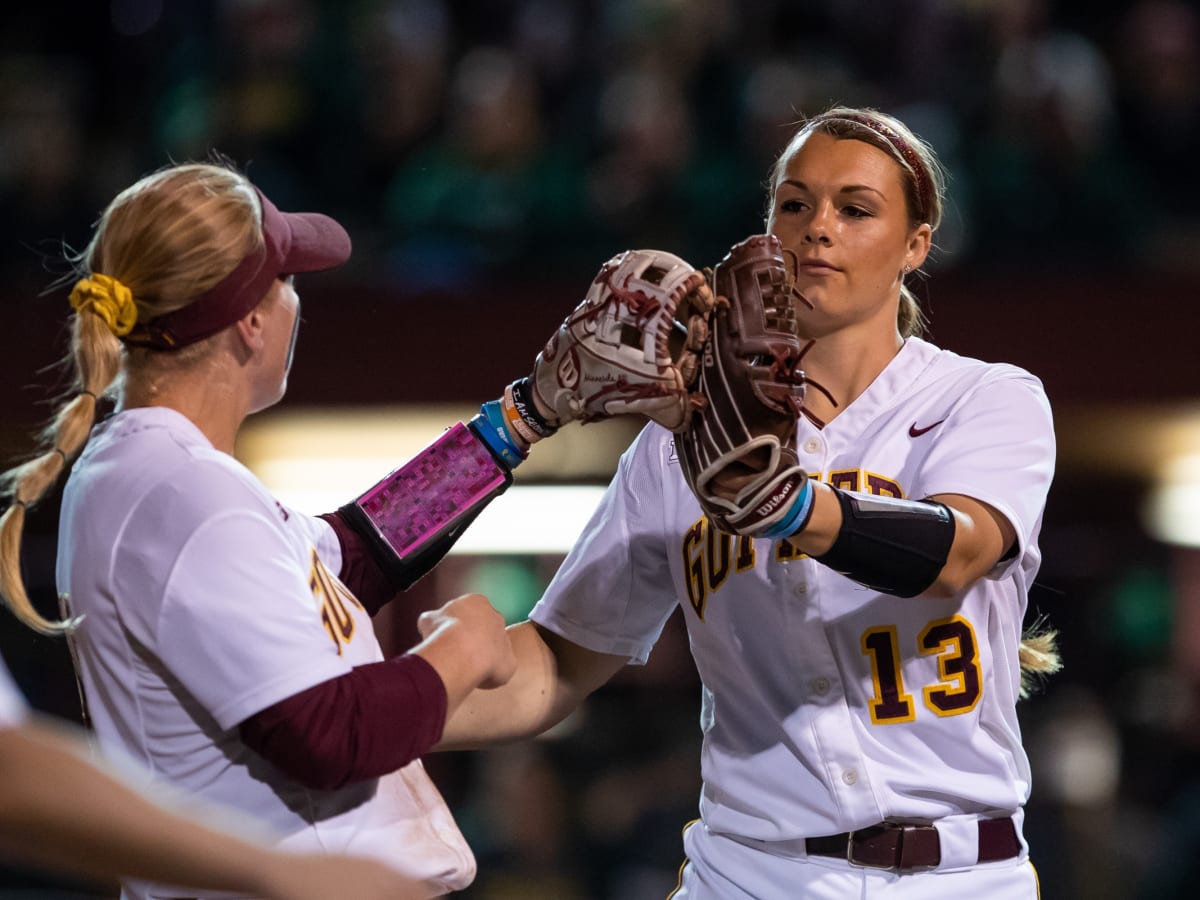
[(553, 677), (524, 707), (379, 717), (976, 536), (58, 810)]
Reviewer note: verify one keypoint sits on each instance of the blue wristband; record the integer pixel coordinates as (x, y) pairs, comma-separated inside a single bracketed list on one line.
[(797, 516), (493, 429)]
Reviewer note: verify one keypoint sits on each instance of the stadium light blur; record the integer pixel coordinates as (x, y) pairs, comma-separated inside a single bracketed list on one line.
[(1173, 507), (1157, 446)]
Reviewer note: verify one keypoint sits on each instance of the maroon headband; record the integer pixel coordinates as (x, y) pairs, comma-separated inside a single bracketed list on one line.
[(901, 146), (292, 242)]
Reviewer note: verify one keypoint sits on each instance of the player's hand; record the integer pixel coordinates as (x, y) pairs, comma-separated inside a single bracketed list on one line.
[(297, 877), (466, 641)]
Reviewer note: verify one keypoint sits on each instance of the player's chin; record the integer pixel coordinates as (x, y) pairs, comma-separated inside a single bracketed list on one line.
[(269, 399)]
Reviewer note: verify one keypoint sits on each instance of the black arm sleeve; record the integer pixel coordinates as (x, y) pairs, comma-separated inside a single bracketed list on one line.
[(892, 546)]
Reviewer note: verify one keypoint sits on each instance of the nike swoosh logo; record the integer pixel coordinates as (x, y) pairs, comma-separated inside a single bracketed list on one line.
[(914, 431)]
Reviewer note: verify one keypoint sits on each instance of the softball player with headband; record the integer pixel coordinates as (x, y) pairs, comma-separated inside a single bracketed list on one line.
[(861, 665), (61, 811), (223, 640)]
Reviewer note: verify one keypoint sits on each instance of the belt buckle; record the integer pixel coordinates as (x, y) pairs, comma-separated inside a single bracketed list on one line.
[(898, 865), (862, 864)]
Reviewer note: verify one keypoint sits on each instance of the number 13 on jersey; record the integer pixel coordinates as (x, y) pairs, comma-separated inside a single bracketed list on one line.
[(959, 685)]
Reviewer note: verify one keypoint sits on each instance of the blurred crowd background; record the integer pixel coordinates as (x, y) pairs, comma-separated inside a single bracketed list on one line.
[(488, 155), (476, 138)]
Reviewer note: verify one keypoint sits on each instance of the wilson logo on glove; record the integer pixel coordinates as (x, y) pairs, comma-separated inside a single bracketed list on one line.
[(773, 504)]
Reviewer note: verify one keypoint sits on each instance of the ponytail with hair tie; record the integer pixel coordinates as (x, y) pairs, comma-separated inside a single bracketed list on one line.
[(109, 299)]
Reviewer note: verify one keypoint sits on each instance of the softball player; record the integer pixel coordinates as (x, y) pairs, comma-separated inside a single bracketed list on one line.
[(860, 674), (226, 641)]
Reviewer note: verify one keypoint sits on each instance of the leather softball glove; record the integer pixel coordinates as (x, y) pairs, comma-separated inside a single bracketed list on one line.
[(738, 449), (631, 346)]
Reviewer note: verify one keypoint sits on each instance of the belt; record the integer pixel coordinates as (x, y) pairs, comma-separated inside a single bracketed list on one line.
[(911, 848)]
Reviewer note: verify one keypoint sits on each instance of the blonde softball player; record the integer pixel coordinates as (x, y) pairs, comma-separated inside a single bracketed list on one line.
[(225, 641), (862, 661)]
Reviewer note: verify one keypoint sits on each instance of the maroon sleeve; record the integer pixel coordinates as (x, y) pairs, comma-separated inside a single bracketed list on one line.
[(375, 719), (361, 571)]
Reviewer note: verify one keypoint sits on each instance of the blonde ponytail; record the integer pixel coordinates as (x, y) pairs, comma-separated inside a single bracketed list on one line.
[(910, 318), (1038, 656), (95, 359)]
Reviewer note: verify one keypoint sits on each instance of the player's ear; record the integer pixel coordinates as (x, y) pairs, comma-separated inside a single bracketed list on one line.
[(250, 329), (919, 242)]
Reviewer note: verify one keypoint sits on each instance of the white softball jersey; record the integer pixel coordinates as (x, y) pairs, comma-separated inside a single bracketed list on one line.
[(206, 601), (13, 709), (827, 706)]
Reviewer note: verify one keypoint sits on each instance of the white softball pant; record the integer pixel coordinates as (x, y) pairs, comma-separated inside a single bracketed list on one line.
[(720, 868)]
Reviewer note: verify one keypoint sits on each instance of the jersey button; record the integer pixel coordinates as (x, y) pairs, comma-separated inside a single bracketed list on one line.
[(801, 589), (820, 686), (850, 776), (812, 445)]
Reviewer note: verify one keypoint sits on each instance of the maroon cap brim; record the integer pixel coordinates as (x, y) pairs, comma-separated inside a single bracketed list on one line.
[(292, 243), (310, 242)]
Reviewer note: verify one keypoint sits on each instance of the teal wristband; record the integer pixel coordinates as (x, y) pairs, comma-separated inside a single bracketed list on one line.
[(494, 430), (797, 516)]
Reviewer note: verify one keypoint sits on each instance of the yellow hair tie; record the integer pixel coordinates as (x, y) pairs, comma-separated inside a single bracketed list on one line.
[(107, 298)]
